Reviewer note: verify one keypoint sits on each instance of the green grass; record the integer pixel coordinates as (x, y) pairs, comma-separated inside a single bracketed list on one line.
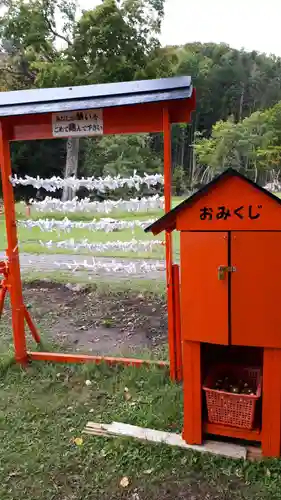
[(135, 285), (29, 239), (44, 408)]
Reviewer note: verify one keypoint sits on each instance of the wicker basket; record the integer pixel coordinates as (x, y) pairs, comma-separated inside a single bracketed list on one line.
[(236, 410)]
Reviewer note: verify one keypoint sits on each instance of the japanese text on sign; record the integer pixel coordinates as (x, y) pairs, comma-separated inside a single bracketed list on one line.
[(224, 213), (77, 123)]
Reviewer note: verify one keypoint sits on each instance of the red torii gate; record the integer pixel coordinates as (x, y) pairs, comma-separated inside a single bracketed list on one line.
[(123, 108)]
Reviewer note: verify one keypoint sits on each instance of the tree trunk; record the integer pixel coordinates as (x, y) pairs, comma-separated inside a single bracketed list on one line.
[(71, 165), (182, 142), (256, 171), (187, 156), (241, 103)]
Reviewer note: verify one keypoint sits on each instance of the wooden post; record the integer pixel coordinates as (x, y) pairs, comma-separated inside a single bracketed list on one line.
[(168, 238), (27, 210), (31, 326), (12, 250), (177, 321), (271, 403), (192, 397), (3, 291)]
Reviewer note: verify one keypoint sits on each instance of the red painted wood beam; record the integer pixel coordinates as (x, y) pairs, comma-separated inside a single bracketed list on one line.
[(84, 358)]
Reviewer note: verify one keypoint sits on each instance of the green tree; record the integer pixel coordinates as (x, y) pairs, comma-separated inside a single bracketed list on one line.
[(113, 42), (121, 155), (229, 82), (117, 41), (244, 145)]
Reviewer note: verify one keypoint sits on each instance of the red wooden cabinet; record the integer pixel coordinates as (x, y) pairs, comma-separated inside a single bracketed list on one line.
[(256, 288), (238, 307), (230, 267), (204, 298)]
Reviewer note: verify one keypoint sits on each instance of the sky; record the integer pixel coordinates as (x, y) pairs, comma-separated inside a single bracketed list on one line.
[(248, 24)]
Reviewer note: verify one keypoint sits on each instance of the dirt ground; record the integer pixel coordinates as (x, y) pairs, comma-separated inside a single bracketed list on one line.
[(87, 320)]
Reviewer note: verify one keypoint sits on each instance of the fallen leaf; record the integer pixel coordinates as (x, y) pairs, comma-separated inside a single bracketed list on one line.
[(124, 482), (127, 394), (148, 471), (78, 441), (13, 474), (135, 496)]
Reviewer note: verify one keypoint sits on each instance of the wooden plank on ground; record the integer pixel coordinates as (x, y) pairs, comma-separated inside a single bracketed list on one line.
[(118, 429), (254, 453)]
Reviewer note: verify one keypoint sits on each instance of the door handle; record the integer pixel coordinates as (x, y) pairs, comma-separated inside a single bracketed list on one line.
[(222, 270)]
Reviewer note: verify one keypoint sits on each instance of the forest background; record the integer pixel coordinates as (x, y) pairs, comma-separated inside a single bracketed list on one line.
[(237, 123)]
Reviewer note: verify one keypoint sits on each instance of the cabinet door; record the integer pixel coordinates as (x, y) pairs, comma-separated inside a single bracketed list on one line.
[(256, 289), (204, 297)]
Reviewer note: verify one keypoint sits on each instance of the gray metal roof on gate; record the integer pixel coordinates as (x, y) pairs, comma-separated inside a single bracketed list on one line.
[(35, 101)]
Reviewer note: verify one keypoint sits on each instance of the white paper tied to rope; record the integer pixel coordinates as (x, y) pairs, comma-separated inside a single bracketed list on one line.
[(274, 187), (90, 183), (49, 205), (135, 246), (112, 266), (66, 225)]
